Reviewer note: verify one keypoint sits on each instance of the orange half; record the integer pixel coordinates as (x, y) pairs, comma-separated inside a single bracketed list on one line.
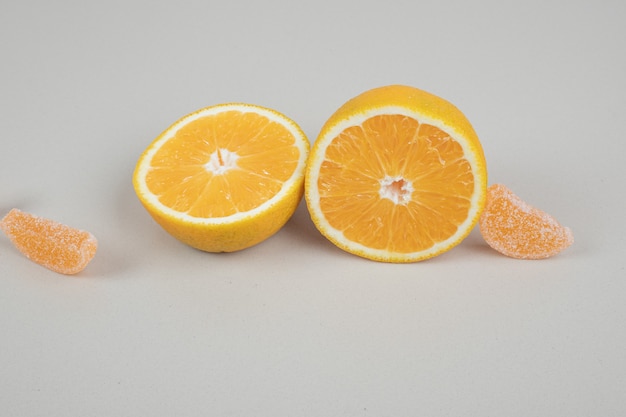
[(224, 178), (396, 175)]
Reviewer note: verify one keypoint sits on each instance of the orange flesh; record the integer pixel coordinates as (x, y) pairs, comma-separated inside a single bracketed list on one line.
[(223, 164), (427, 184), (516, 229), (54, 245)]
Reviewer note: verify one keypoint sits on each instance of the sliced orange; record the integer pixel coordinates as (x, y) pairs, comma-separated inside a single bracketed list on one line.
[(396, 175), (516, 229), (51, 244), (225, 177)]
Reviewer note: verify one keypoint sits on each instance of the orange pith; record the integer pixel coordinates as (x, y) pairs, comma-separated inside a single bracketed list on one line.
[(397, 175), (51, 244), (221, 164), (516, 229)]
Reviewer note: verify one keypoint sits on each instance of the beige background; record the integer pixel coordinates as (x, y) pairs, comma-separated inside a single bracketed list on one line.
[(294, 326)]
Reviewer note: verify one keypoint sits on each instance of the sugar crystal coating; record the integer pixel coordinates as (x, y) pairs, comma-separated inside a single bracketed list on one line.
[(51, 244), (516, 229)]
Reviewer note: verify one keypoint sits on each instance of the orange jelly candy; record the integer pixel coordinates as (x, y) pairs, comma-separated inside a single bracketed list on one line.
[(51, 244), (516, 229)]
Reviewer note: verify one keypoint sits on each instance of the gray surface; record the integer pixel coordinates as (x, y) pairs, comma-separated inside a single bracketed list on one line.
[(294, 326)]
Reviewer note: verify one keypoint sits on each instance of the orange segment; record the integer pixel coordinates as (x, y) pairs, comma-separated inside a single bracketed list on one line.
[(51, 244), (225, 177), (516, 229), (396, 175)]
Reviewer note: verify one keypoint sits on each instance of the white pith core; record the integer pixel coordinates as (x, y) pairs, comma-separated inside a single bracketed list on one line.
[(396, 189), (221, 161)]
